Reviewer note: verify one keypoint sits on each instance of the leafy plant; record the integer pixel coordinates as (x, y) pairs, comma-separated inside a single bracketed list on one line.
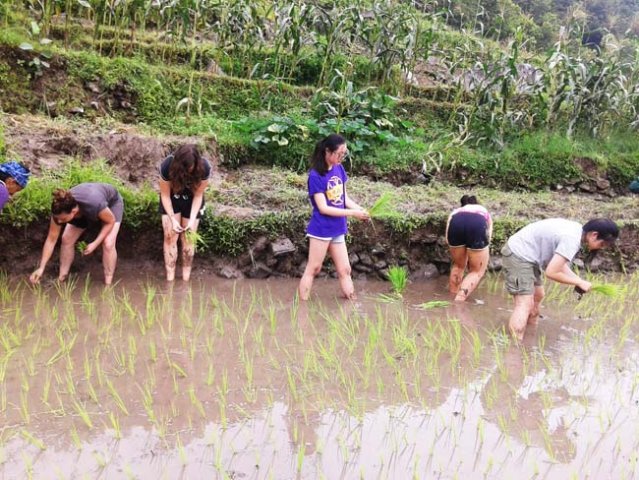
[(398, 276), (194, 238), (382, 206), (81, 246)]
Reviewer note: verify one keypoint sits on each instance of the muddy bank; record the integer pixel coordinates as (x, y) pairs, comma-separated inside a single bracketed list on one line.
[(283, 253)]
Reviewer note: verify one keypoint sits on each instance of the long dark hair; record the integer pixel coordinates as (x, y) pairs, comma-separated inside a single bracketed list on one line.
[(468, 200), (187, 168), (330, 143), (63, 202)]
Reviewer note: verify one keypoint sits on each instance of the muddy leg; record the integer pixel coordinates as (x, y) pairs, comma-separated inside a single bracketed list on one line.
[(170, 246), (110, 254), (70, 236), (316, 253), (459, 258), (477, 265), (339, 254), (534, 312), (188, 251), (520, 315)]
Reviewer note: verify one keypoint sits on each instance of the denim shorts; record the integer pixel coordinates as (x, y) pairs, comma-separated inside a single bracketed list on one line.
[(337, 239)]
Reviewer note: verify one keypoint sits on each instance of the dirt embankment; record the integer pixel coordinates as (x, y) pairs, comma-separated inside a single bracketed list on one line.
[(240, 195)]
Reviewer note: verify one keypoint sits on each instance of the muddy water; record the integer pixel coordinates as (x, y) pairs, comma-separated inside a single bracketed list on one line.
[(223, 379)]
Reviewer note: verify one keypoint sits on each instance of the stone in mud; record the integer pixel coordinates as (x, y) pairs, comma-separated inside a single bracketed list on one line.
[(259, 245), (427, 272), (360, 267), (383, 274), (380, 265), (260, 271), (230, 272), (378, 251), (366, 260), (76, 110), (270, 261), (586, 187), (282, 246), (353, 258), (602, 184)]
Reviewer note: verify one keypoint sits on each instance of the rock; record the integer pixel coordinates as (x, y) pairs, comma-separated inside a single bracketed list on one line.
[(282, 246), (230, 272), (595, 264), (92, 87), (586, 187), (495, 264), (76, 110), (378, 251), (353, 258), (602, 184), (271, 261), (259, 245), (380, 265), (427, 272), (360, 267), (383, 274), (366, 260), (259, 271), (95, 105)]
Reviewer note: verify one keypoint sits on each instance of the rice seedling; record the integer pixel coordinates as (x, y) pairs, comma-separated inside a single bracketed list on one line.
[(433, 304), (383, 206), (194, 238), (398, 277), (81, 246), (608, 289)]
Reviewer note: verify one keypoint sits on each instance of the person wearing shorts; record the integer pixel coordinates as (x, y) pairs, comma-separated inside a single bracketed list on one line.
[(74, 210), (184, 176), (548, 246), (468, 233), (327, 228)]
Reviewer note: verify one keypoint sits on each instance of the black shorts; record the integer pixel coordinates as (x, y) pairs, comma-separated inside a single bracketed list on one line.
[(468, 230), (182, 205)]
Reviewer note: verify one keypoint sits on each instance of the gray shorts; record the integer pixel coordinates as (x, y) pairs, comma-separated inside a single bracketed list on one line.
[(338, 239), (521, 276)]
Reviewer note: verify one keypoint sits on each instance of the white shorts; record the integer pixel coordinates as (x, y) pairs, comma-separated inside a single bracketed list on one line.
[(338, 239)]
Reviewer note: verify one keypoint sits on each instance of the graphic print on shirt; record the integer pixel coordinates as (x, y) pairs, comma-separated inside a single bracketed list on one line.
[(335, 191)]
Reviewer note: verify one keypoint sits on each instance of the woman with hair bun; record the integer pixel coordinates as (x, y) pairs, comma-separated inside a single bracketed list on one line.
[(184, 176), (468, 233), (73, 211)]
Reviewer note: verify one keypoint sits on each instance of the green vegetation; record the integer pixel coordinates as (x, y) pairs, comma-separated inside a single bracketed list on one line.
[(398, 277)]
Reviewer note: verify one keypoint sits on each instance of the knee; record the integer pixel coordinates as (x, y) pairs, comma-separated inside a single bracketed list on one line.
[(313, 270), (170, 237), (109, 245), (344, 271)]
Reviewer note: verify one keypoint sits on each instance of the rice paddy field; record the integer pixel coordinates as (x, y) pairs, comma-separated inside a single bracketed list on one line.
[(235, 380)]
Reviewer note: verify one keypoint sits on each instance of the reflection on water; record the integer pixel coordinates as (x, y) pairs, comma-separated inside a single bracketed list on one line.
[(223, 379)]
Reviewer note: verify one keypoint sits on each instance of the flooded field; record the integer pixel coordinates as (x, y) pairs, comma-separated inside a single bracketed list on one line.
[(225, 379)]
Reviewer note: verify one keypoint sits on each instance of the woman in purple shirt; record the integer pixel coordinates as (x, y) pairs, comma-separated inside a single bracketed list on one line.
[(327, 228), (13, 178)]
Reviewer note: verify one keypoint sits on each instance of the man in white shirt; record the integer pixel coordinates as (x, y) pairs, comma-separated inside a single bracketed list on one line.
[(549, 246)]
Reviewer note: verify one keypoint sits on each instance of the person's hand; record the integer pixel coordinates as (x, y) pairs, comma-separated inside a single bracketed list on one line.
[(362, 215), (177, 228), (36, 276), (190, 226), (584, 286), (90, 249)]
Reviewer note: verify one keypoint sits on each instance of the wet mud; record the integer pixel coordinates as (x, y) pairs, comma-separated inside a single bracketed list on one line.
[(235, 379)]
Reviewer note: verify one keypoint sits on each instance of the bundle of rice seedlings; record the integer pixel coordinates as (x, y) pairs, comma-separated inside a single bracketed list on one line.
[(81, 246), (398, 276), (195, 239), (433, 304), (608, 289), (382, 207)]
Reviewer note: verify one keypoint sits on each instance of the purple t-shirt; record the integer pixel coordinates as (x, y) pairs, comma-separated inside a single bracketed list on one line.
[(4, 195), (333, 186)]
